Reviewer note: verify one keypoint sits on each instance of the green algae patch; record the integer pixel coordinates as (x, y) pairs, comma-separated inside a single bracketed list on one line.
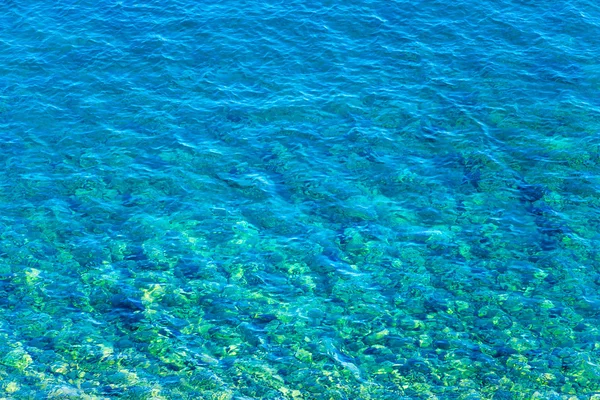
[(17, 358)]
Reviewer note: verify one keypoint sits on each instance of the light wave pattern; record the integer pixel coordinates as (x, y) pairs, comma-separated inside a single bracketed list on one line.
[(299, 200)]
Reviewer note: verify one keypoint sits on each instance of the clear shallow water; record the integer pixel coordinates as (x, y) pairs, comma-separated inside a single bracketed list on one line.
[(321, 200)]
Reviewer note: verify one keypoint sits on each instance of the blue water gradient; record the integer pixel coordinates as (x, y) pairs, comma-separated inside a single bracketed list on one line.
[(300, 200)]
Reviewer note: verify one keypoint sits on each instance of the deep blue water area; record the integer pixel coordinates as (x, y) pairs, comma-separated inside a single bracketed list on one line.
[(300, 199)]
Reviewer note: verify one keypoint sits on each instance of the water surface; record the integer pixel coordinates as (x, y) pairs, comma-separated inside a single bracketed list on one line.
[(299, 200)]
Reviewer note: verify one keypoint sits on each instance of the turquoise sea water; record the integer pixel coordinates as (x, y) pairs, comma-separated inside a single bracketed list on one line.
[(299, 200)]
